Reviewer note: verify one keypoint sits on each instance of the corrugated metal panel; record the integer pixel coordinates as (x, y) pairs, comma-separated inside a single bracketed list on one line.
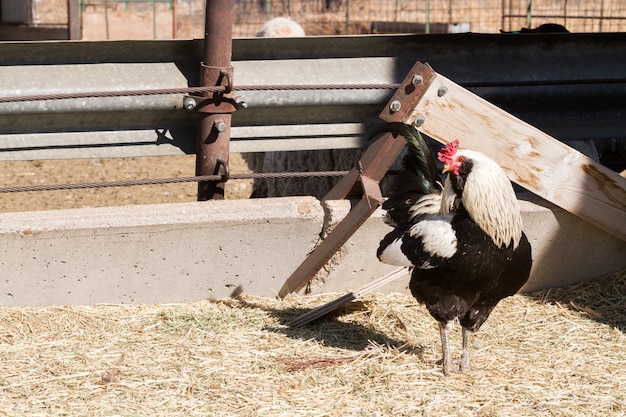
[(16, 11)]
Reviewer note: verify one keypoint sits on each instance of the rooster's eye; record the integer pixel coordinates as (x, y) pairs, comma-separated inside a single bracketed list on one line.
[(461, 159)]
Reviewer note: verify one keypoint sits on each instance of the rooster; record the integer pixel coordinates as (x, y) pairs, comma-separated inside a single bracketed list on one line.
[(463, 239)]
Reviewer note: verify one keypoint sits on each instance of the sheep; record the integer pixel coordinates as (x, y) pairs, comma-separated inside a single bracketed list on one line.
[(282, 161), (297, 161), (274, 28), (280, 27)]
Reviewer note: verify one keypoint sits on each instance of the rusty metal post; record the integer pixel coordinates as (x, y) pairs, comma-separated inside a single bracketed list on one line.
[(215, 111)]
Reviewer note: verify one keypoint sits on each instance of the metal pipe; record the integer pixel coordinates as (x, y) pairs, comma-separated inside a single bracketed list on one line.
[(215, 118)]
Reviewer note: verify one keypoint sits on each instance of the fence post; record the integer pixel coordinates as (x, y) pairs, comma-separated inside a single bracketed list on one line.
[(215, 111), (427, 30), (73, 19), (106, 17), (174, 23), (347, 17), (601, 15)]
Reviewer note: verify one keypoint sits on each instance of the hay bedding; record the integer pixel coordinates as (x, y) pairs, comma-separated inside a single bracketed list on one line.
[(556, 353)]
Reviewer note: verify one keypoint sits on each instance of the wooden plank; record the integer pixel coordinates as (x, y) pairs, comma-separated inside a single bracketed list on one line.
[(363, 180), (327, 248), (530, 157), (318, 312)]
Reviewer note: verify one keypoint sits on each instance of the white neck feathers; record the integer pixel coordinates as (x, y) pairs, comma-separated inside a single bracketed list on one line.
[(490, 200)]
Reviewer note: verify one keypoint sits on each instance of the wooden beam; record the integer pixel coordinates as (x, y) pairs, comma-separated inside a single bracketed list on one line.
[(363, 180), (531, 158), (333, 242), (351, 296)]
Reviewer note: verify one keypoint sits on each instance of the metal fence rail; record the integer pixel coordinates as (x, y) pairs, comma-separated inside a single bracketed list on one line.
[(571, 86)]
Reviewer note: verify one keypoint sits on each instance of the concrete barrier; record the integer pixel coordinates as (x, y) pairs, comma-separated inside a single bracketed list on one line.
[(173, 253)]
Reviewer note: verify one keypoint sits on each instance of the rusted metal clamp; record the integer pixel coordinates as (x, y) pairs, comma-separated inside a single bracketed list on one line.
[(219, 74), (216, 102)]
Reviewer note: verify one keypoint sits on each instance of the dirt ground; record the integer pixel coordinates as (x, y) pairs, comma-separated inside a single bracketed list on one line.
[(21, 173)]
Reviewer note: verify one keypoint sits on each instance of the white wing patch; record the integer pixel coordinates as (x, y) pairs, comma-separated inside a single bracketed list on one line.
[(438, 237), (393, 255), (428, 205)]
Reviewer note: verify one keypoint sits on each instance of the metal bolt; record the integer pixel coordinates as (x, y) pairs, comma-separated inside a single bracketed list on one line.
[(419, 120), (417, 79), (220, 126), (441, 91), (395, 106), (189, 103), (240, 103)]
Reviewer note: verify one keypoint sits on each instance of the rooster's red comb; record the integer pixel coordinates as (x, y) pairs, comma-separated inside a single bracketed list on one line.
[(446, 154)]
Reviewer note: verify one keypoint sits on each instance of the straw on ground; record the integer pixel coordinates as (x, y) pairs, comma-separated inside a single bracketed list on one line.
[(559, 352)]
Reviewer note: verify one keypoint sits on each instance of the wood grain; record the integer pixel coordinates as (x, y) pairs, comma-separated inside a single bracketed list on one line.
[(530, 157)]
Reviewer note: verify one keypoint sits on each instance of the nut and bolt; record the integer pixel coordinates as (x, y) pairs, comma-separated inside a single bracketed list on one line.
[(441, 91), (240, 103), (417, 79), (395, 106), (189, 103), (220, 126), (419, 120)]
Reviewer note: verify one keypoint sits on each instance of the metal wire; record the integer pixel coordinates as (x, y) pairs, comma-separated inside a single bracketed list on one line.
[(191, 90), (98, 94), (188, 90), (278, 87), (155, 181)]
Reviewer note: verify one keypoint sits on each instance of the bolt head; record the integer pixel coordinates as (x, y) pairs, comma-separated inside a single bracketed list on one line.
[(220, 126), (417, 79), (189, 103), (419, 120), (441, 91), (395, 106), (240, 102)]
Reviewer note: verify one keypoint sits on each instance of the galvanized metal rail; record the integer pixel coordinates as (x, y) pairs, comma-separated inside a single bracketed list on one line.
[(569, 85), (131, 98), (190, 104)]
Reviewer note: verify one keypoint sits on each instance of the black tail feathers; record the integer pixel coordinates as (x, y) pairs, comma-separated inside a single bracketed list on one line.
[(418, 177)]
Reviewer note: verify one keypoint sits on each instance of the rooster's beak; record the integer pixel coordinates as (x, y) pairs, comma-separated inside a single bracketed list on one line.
[(446, 168)]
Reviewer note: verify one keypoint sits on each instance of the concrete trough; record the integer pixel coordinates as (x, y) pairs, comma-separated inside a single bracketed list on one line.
[(173, 253)]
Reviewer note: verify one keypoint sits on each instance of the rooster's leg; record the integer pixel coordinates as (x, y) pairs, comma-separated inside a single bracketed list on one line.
[(465, 360), (444, 331)]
